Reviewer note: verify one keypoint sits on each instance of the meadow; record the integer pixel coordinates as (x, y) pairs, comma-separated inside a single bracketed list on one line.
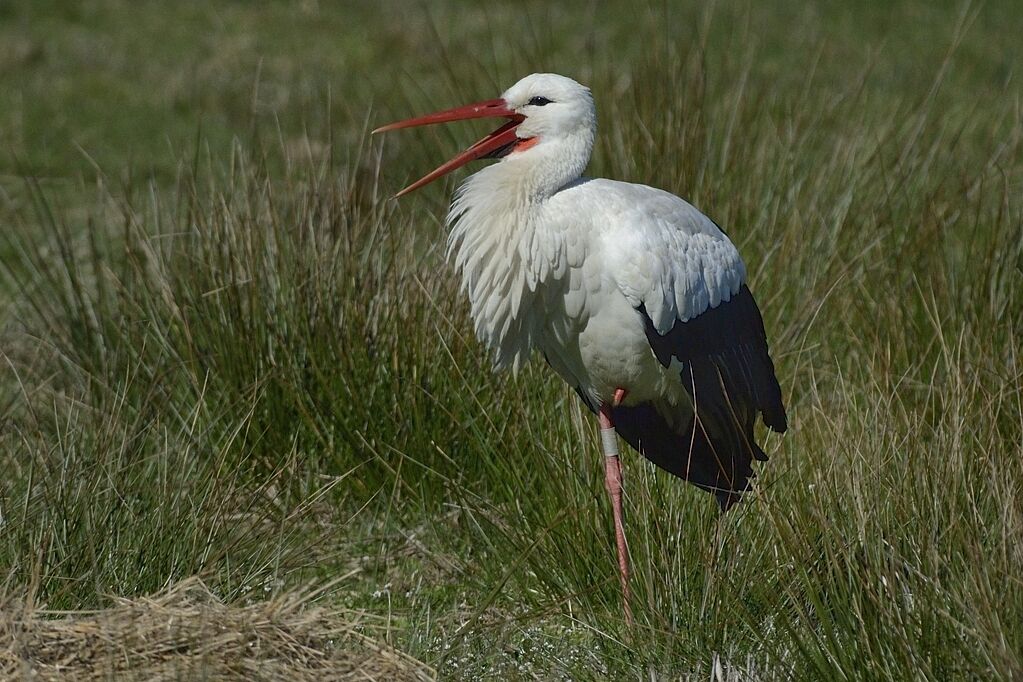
[(239, 388)]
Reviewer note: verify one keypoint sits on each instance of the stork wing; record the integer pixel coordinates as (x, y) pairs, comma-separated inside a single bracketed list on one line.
[(680, 271)]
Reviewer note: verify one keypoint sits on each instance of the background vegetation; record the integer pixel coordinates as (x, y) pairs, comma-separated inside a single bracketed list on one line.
[(226, 354)]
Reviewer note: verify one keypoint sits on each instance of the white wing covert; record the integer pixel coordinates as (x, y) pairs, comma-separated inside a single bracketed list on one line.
[(667, 256)]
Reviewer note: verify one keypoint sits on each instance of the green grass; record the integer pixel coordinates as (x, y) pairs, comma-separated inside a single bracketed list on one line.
[(225, 353)]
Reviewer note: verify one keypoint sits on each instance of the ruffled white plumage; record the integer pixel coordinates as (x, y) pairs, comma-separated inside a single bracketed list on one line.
[(541, 273)]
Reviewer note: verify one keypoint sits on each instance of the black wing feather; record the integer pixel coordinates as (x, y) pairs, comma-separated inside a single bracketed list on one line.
[(729, 375)]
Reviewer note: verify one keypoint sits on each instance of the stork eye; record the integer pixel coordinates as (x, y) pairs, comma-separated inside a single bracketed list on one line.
[(539, 101)]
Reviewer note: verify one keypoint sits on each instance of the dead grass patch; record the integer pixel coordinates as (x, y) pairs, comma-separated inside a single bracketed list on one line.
[(187, 632)]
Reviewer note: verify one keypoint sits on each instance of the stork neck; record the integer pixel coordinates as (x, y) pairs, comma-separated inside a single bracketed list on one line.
[(537, 174), (504, 245)]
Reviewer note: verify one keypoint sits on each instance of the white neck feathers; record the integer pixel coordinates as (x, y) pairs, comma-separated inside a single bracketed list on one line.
[(505, 246)]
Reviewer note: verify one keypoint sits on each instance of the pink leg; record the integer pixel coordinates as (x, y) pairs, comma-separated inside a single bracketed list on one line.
[(613, 484)]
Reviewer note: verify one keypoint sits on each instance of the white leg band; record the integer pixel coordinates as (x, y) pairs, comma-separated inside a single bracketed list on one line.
[(610, 440)]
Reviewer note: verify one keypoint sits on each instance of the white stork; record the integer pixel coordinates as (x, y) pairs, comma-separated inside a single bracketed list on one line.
[(631, 294)]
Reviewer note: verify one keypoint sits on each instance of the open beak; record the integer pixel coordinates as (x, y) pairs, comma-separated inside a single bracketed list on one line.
[(494, 144)]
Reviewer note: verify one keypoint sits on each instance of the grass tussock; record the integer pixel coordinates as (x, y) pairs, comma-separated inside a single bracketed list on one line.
[(187, 632), (263, 374)]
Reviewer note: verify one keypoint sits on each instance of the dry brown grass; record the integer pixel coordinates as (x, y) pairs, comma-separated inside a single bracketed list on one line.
[(186, 632)]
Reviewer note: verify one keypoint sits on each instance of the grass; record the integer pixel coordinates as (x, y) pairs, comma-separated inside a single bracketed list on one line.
[(227, 355), (186, 632)]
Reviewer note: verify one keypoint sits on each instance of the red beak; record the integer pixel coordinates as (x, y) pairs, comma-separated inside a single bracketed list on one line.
[(490, 145)]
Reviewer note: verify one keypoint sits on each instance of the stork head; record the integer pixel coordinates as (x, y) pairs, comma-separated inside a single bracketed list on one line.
[(550, 117), (553, 106)]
